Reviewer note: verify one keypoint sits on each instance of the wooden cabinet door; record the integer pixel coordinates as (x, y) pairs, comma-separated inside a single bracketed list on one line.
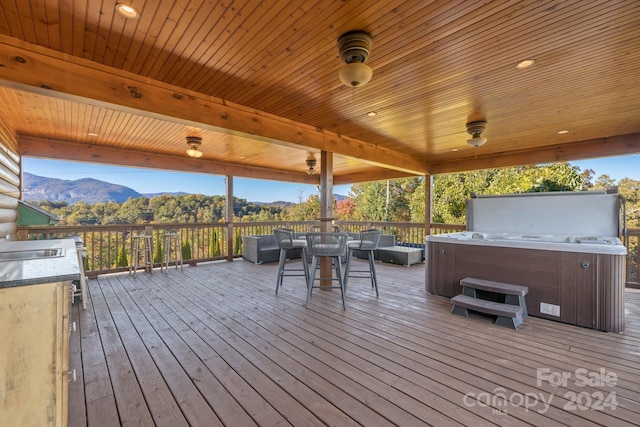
[(440, 269), (34, 354), (579, 295)]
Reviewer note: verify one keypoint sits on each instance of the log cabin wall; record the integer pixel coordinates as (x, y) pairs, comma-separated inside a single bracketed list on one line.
[(10, 183)]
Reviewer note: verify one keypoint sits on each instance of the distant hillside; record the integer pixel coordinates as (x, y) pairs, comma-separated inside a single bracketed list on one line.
[(88, 190), (152, 195)]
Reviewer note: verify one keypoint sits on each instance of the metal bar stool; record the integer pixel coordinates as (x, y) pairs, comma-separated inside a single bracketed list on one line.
[(367, 243), (326, 245), (286, 241), (147, 247), (81, 251), (171, 246)]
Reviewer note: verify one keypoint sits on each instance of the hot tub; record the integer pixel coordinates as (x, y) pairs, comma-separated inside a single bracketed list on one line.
[(550, 242), (575, 278)]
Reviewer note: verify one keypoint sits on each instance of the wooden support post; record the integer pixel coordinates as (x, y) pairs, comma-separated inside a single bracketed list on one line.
[(326, 205), (228, 216), (427, 204)]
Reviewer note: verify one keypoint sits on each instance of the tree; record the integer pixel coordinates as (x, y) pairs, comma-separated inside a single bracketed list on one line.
[(345, 209), (305, 211), (157, 253), (186, 250), (122, 258), (451, 191), (603, 182), (370, 200), (630, 190)]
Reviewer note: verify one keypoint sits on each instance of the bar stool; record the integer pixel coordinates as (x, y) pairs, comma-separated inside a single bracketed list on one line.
[(326, 245), (81, 252), (147, 249), (286, 241), (171, 245), (367, 243)]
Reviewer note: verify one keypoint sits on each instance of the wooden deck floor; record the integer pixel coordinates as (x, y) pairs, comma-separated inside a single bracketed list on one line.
[(213, 345)]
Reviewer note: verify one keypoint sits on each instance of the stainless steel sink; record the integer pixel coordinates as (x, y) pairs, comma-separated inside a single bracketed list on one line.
[(31, 254)]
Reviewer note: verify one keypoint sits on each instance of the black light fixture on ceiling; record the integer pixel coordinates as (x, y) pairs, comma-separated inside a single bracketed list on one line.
[(354, 48), (311, 164), (475, 129), (194, 145)]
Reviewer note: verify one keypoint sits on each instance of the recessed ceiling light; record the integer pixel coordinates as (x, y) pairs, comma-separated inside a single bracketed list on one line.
[(372, 114), (454, 149), (92, 134), (563, 131), (127, 11), (525, 63)]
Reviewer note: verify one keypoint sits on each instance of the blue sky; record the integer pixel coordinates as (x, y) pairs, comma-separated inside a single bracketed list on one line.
[(152, 181)]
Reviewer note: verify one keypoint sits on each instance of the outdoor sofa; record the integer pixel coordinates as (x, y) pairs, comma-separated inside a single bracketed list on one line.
[(263, 248)]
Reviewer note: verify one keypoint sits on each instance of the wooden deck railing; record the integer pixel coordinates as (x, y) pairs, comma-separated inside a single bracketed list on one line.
[(108, 246)]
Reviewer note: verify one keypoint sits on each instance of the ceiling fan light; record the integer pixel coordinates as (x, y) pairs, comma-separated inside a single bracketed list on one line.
[(194, 152), (476, 141), (475, 129), (354, 48), (355, 74), (311, 164), (194, 145)]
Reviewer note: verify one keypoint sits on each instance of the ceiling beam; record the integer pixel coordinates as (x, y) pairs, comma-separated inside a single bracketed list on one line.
[(379, 175), (36, 69), (72, 151), (618, 145)]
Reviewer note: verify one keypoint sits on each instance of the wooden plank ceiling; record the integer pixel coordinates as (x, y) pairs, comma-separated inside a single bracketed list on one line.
[(258, 81)]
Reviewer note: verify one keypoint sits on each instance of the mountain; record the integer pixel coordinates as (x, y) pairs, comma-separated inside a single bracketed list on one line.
[(88, 190)]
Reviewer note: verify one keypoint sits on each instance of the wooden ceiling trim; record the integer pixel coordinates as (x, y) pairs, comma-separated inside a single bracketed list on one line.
[(104, 19), (424, 41), (9, 141), (90, 34), (166, 36), (188, 40), (78, 18), (221, 41), (241, 42), (126, 131), (118, 88), (65, 150), (115, 34), (288, 53), (369, 176), (325, 69), (22, 15), (474, 43), (9, 22), (599, 147), (237, 69), (129, 38)]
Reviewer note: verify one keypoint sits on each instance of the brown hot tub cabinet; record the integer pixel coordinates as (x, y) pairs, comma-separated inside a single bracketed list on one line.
[(571, 279)]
